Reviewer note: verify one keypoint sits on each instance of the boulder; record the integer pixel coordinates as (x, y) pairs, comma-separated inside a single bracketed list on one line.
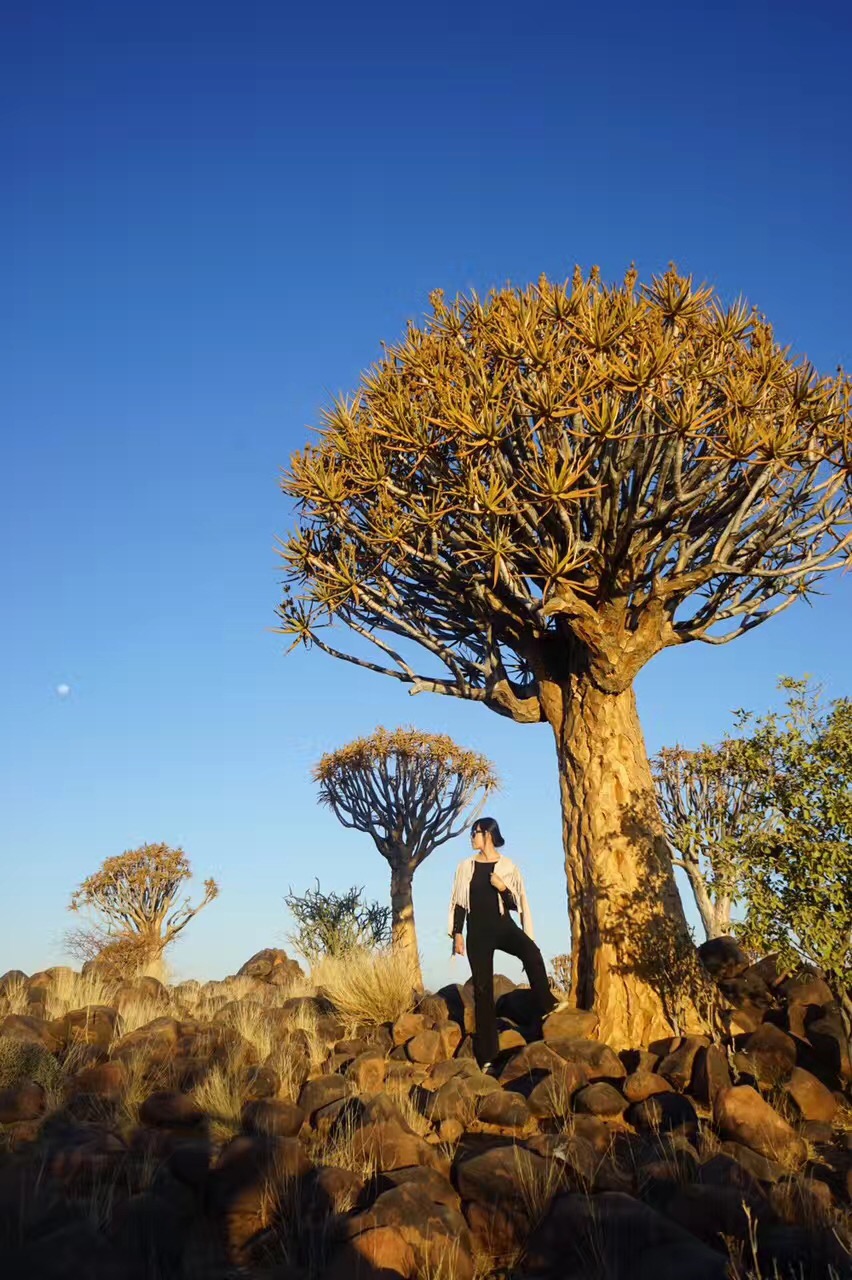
[(806, 987), (599, 1099), (710, 1074), (507, 1110), (640, 1085), (167, 1109), (812, 1100), (320, 1092), (272, 966), (275, 1116), (623, 1236), (664, 1113), (742, 1116), (426, 1047), (768, 1054), (409, 1025), (102, 1080), (677, 1067), (723, 958), (597, 1060), (20, 1026), (828, 1037), (494, 1190), (25, 1100), (570, 1024), (755, 1165), (94, 1025), (367, 1072)]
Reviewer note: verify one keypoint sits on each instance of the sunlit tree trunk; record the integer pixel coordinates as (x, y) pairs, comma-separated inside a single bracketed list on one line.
[(404, 933), (631, 947)]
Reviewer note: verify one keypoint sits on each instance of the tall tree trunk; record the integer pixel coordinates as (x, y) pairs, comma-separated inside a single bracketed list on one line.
[(633, 959), (721, 915), (404, 933), (703, 899)]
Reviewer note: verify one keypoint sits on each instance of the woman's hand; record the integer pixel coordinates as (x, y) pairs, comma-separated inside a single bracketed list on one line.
[(497, 883), (458, 945)]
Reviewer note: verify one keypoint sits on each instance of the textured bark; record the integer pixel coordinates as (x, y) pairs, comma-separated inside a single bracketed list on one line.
[(404, 933), (632, 953)]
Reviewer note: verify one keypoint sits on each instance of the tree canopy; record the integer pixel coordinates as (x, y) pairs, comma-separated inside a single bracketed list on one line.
[(567, 467), (134, 896)]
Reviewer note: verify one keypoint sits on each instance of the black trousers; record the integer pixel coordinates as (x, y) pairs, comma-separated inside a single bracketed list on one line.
[(482, 942)]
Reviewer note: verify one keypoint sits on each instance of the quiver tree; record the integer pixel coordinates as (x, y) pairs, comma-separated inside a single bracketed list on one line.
[(135, 907), (411, 792), (533, 494), (708, 806)]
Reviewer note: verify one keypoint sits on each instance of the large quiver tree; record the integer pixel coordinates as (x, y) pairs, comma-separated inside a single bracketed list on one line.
[(542, 490), (410, 791)]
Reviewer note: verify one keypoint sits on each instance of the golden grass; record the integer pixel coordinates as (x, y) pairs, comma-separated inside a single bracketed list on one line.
[(220, 1096), (13, 998), (251, 1021), (68, 991), (369, 987)]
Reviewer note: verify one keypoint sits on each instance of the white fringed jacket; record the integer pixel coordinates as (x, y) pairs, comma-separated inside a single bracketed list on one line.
[(511, 877)]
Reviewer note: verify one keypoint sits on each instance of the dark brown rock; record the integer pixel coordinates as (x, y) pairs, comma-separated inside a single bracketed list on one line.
[(806, 988), (20, 1026), (644, 1084), (275, 1116), (828, 1038), (166, 1109), (597, 1060), (723, 958), (25, 1100), (677, 1067), (742, 1116), (599, 1099), (759, 1167), (770, 1054), (710, 1073), (491, 1186), (664, 1113), (812, 1100), (103, 1080), (367, 1072), (628, 1237), (712, 1213), (508, 1110), (320, 1092), (273, 966), (426, 1047)]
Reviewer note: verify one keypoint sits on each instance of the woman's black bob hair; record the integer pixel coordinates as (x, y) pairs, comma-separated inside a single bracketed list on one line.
[(490, 827)]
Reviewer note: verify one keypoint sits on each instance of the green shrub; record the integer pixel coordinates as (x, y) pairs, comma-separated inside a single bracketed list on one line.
[(20, 1060)]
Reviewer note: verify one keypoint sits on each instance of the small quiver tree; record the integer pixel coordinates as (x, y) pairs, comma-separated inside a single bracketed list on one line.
[(533, 494), (135, 908), (708, 806), (411, 792)]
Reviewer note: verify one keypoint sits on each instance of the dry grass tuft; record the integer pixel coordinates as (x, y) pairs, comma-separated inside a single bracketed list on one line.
[(220, 1097), (14, 997), (68, 991), (369, 987)]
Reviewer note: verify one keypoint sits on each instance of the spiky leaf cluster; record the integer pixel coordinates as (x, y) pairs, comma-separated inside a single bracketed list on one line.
[(567, 477)]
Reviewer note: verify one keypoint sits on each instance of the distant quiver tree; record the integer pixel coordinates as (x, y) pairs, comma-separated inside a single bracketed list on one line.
[(136, 912), (411, 792), (708, 806), (533, 494)]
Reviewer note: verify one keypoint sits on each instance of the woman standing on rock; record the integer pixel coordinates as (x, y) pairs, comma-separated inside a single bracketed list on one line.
[(486, 888)]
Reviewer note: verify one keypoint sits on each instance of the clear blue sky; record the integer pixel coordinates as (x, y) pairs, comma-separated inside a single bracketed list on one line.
[(212, 215)]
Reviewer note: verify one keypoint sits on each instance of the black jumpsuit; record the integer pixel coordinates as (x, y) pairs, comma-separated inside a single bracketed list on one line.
[(490, 930)]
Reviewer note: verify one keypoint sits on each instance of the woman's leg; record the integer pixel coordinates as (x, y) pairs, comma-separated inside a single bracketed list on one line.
[(517, 943), (480, 952)]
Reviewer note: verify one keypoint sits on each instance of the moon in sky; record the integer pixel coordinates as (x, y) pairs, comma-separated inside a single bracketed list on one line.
[(63, 690)]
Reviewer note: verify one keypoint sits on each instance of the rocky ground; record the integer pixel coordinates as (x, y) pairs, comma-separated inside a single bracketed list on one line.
[(246, 1128)]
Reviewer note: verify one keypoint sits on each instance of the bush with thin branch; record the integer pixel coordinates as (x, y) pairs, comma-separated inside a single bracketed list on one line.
[(333, 924)]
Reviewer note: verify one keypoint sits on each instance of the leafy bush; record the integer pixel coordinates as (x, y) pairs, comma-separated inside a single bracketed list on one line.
[(333, 924)]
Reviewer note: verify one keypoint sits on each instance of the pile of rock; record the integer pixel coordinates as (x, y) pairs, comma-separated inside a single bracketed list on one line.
[(395, 1156)]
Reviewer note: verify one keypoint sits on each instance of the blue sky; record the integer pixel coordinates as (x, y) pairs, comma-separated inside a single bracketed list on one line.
[(213, 214)]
